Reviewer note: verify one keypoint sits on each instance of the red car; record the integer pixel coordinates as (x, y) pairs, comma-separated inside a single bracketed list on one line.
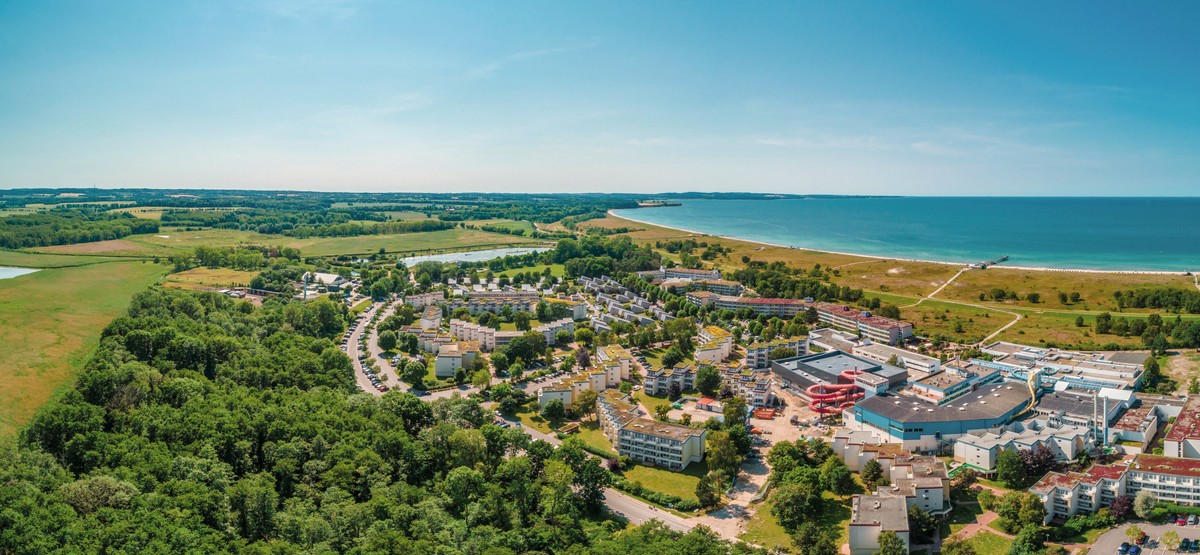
[(1181, 520)]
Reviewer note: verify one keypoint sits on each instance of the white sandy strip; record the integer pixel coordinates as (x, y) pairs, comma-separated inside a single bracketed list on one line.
[(998, 267)]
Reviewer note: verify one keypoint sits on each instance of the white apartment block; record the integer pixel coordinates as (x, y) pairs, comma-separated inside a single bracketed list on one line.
[(872, 515), (649, 441), (857, 447), (913, 362), (716, 345), (981, 449), (452, 356), (758, 355), (490, 339), (757, 388), (431, 318), (424, 299)]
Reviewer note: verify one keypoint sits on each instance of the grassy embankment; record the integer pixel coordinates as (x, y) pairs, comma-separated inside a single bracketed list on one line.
[(52, 322)]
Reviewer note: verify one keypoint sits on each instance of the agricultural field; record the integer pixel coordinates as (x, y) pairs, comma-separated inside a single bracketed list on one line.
[(35, 260), (556, 270), (209, 278), (514, 225), (113, 246), (458, 239), (57, 316)]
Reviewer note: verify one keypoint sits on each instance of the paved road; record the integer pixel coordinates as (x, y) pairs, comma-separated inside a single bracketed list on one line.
[(352, 351)]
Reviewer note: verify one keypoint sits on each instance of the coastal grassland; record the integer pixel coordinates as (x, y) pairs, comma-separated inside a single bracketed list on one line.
[(1095, 288), (205, 278), (35, 260), (1059, 328), (555, 270), (901, 277), (960, 323), (52, 322)]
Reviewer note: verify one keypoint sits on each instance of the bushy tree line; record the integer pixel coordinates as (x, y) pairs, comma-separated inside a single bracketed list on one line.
[(1172, 299), (67, 226), (778, 280), (203, 424)]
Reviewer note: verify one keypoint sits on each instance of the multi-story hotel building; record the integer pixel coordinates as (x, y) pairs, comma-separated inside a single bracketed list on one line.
[(649, 441)]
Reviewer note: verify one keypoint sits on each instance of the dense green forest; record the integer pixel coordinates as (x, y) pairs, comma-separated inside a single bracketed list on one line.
[(203, 424), (62, 227)]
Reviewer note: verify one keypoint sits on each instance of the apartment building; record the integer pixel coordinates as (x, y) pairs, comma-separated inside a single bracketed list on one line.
[(720, 286), (1183, 439), (981, 449), (1065, 495), (616, 354), (431, 318), (856, 448), (758, 355), (649, 441), (715, 345), (658, 380), (490, 339), (424, 299), (872, 515), (680, 273), (876, 328), (577, 309), (917, 364), (493, 304), (757, 388), (455, 355), (922, 481)]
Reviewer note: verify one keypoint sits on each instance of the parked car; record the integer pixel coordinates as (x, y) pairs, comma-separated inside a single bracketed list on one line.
[(1123, 549), (1191, 519), (1181, 520)]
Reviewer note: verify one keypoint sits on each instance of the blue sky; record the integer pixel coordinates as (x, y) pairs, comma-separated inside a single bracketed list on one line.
[(930, 98)]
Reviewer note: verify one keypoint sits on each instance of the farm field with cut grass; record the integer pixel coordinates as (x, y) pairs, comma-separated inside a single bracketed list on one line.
[(37, 260), (204, 278), (458, 239), (113, 246), (513, 225), (53, 319), (556, 270)]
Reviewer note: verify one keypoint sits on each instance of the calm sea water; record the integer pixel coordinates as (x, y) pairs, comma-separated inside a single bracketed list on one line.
[(9, 272), (1077, 233)]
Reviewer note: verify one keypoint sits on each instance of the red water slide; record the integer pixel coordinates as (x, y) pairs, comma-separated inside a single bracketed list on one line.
[(834, 398)]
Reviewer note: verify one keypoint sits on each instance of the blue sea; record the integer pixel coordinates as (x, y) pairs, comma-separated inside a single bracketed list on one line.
[(1077, 233)]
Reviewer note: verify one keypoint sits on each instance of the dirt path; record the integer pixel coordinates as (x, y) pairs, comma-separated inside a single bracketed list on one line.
[(938, 290)]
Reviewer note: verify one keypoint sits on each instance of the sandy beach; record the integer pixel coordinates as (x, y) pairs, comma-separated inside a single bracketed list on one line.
[(948, 263)]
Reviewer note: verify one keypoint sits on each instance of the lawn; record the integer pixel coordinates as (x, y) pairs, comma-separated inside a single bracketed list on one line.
[(592, 435), (209, 277), (670, 482), (764, 530), (555, 270), (987, 542), (651, 402), (962, 515), (52, 322)]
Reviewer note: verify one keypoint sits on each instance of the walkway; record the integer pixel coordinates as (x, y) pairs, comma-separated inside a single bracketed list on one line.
[(938, 290)]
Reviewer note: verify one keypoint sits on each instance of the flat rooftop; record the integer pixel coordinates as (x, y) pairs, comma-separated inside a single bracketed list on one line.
[(1066, 403), (989, 402), (1187, 423), (662, 429), (1166, 465), (887, 512)]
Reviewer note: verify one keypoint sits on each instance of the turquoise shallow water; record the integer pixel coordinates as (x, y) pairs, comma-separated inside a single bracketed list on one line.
[(1076, 233)]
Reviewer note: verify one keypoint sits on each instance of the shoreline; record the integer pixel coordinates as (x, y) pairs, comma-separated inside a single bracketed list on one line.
[(1000, 266)]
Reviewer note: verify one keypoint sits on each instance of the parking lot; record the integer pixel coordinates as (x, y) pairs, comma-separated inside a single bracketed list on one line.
[(1111, 541)]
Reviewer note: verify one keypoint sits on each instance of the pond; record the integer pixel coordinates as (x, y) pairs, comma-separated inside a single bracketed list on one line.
[(472, 256), (9, 272)]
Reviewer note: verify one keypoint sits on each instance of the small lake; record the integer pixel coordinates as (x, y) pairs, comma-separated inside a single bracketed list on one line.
[(472, 256), (9, 272)]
